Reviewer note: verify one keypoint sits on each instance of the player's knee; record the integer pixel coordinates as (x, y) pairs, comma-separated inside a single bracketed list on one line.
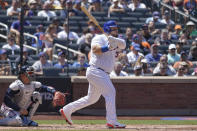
[(92, 100), (36, 97)]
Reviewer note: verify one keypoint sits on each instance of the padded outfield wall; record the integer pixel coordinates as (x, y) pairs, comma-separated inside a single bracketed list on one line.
[(135, 95)]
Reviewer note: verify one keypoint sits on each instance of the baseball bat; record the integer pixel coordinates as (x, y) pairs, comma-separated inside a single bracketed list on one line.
[(89, 15)]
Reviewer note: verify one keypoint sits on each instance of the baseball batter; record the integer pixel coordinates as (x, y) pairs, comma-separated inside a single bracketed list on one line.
[(22, 100), (103, 51)]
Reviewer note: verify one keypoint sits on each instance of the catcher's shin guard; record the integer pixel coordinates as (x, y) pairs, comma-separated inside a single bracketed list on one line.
[(27, 122), (37, 100), (15, 121)]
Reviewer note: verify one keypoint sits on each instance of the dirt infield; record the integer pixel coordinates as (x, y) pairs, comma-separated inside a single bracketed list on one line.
[(102, 127)]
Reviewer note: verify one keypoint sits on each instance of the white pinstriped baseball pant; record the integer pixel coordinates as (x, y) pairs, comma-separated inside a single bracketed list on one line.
[(99, 84)]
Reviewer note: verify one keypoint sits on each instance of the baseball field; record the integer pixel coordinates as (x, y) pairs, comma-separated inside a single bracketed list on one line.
[(97, 123)]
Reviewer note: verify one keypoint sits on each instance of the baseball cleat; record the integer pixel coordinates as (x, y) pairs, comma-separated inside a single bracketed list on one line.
[(66, 116), (116, 125)]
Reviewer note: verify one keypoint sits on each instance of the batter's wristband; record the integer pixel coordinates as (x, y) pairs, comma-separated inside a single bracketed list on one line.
[(104, 48)]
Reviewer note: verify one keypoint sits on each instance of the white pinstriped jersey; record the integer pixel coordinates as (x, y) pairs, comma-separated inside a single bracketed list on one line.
[(105, 60)]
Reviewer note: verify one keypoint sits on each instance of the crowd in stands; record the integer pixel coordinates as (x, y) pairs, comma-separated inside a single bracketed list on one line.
[(160, 47)]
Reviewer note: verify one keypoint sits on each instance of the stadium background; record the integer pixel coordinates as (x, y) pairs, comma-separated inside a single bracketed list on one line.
[(77, 23)]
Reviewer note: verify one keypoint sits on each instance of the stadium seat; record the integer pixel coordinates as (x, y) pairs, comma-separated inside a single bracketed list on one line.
[(128, 19), (13, 57), (2, 44), (4, 19), (60, 41), (163, 49), (111, 18), (51, 71), (99, 14), (30, 29), (34, 57)]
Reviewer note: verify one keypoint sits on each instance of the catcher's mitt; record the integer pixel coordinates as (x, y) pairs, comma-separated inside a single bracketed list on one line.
[(59, 99)]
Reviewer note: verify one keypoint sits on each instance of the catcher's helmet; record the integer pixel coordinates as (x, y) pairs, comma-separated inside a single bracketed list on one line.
[(107, 26), (26, 69)]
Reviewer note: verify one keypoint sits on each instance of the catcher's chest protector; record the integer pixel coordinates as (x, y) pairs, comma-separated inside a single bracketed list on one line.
[(23, 98)]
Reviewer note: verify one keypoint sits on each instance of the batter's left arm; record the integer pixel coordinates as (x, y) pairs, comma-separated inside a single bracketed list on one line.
[(119, 42)]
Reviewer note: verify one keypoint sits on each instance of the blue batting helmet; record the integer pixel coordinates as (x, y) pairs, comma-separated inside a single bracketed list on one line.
[(108, 24)]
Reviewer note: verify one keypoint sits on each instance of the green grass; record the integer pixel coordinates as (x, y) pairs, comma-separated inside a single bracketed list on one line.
[(128, 122)]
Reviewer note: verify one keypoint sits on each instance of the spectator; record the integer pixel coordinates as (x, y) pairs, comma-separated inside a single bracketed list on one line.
[(187, 68), (128, 38), (144, 45), (136, 4), (163, 38), (145, 68), (85, 47), (39, 34), (190, 30), (85, 3), (32, 4), (155, 18), (134, 54), (26, 59), (14, 9), (152, 30), (56, 22), (194, 43), (77, 6), (180, 71), (168, 2), (93, 28), (123, 4), (47, 12), (115, 8), (49, 37), (189, 7), (183, 39), (123, 59), (95, 6), (73, 36), (81, 62), (5, 65), (81, 39), (154, 55), (55, 4), (146, 34), (172, 55), (163, 66), (11, 45), (195, 72), (193, 53), (179, 47), (183, 58), (137, 70), (68, 4), (162, 71), (167, 18), (118, 70), (40, 64), (61, 60), (175, 35), (16, 28), (81, 71)]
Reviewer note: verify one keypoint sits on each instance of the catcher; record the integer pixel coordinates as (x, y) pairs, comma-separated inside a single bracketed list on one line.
[(23, 98)]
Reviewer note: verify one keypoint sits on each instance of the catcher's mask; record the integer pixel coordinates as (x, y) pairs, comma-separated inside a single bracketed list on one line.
[(26, 74)]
